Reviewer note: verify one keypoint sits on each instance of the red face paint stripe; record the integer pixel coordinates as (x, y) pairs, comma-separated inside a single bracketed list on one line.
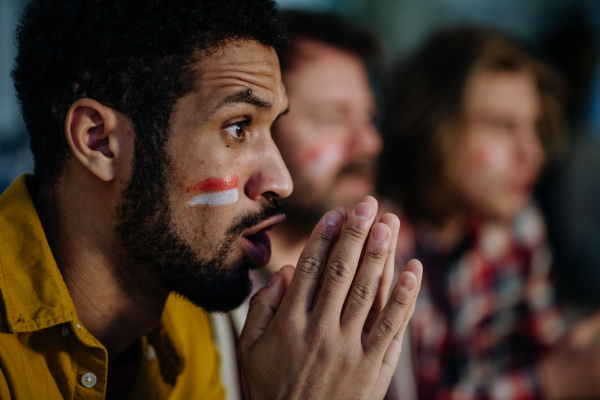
[(215, 185), (311, 155)]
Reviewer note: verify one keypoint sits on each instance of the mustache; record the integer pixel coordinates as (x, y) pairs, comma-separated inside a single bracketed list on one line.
[(269, 209), (365, 168)]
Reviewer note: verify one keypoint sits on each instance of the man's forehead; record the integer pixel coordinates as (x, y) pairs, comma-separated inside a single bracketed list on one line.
[(246, 60), (331, 78)]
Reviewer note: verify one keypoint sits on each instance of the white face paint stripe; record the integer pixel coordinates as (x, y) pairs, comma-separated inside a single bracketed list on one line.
[(224, 198)]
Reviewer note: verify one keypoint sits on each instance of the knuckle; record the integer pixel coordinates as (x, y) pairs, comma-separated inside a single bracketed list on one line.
[(326, 235), (363, 292), (376, 255), (340, 271), (355, 232), (310, 265), (388, 326), (400, 302)]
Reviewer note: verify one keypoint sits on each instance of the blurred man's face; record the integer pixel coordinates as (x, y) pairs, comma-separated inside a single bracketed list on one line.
[(327, 140), (198, 218), (501, 153)]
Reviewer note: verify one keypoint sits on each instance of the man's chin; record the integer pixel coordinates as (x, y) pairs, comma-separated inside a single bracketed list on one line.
[(222, 291)]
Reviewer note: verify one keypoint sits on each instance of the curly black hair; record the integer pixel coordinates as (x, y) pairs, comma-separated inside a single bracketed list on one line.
[(136, 56)]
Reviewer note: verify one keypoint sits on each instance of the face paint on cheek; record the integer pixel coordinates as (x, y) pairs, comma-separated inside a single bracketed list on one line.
[(491, 160), (320, 158), (215, 191)]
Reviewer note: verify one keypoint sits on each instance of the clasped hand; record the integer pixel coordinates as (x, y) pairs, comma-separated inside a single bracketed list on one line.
[(326, 329)]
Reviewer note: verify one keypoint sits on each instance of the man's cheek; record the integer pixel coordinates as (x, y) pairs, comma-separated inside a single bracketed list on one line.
[(206, 227), (323, 158), (490, 160)]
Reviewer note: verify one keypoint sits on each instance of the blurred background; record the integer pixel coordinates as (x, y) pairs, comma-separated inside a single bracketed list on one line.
[(564, 33)]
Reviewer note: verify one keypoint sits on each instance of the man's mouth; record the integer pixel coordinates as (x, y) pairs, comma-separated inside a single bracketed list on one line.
[(256, 244)]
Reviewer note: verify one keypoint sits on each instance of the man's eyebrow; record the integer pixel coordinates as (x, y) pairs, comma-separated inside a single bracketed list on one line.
[(245, 96)]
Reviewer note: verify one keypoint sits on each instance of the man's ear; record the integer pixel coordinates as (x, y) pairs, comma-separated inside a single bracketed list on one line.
[(98, 136)]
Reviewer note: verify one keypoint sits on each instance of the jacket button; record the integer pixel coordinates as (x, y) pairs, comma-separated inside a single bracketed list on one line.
[(150, 353), (66, 332), (88, 379)]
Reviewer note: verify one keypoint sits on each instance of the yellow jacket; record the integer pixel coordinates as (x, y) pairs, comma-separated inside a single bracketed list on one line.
[(46, 352)]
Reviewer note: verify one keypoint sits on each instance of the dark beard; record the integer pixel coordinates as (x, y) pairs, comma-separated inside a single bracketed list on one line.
[(152, 241)]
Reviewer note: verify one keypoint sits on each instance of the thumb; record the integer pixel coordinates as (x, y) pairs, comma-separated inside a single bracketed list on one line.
[(288, 273), (263, 306)]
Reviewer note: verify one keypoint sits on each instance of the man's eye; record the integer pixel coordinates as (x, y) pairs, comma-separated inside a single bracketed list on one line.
[(238, 129)]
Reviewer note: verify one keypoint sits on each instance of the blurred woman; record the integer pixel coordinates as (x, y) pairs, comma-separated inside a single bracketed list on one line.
[(472, 118)]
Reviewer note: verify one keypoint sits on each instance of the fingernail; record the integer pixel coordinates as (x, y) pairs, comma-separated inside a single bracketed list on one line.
[(379, 233), (363, 211), (408, 281), (333, 218), (272, 279)]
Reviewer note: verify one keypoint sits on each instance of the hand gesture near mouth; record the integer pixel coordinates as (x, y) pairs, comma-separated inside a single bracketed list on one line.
[(328, 332)]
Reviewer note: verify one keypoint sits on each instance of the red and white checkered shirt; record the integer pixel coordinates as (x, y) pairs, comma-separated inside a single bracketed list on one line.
[(485, 313)]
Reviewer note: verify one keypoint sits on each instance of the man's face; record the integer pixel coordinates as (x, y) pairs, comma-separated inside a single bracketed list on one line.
[(223, 176), (327, 140), (501, 153)]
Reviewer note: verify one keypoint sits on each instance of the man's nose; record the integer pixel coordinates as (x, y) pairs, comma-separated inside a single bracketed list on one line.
[(530, 147), (366, 140), (270, 177)]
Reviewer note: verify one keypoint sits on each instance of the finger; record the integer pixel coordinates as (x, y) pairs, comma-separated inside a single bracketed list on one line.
[(392, 317), (342, 211), (387, 277), (263, 306), (287, 271), (416, 268), (344, 214), (392, 353), (388, 367), (368, 278), (305, 281), (342, 264)]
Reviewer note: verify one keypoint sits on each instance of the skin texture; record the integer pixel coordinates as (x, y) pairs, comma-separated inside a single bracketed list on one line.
[(205, 142), (333, 347), (327, 131), (253, 157)]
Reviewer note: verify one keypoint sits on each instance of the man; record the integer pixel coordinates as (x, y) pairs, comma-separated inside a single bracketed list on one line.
[(155, 172), (328, 139)]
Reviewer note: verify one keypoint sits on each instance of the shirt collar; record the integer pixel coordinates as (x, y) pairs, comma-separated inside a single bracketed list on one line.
[(34, 292)]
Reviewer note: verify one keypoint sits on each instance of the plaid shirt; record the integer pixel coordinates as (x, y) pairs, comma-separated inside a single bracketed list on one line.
[(485, 313)]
